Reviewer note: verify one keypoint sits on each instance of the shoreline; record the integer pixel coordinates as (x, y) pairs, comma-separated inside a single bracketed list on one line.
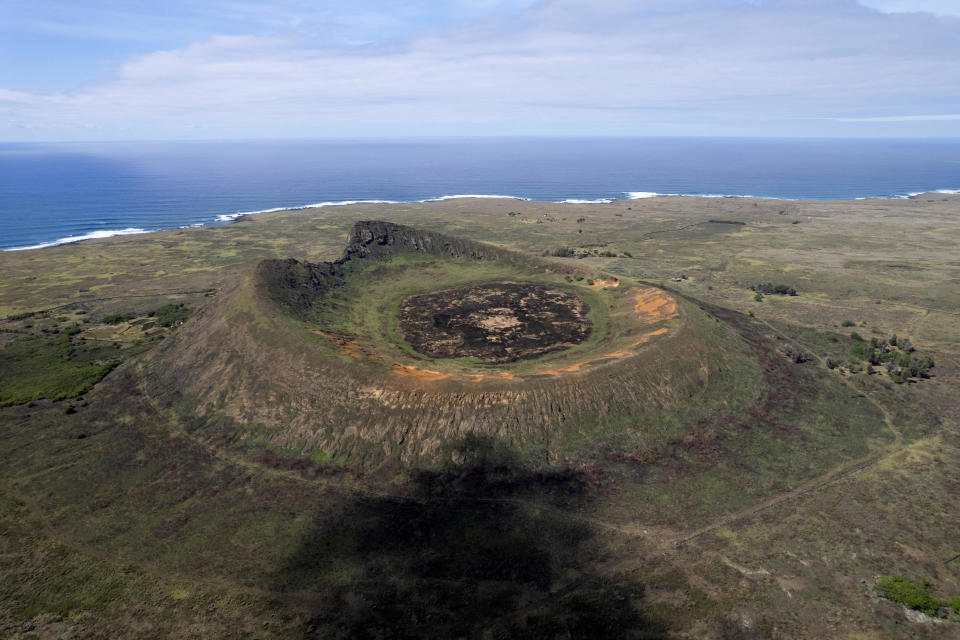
[(229, 218)]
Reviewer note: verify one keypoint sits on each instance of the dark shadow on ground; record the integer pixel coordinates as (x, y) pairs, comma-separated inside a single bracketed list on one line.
[(485, 548)]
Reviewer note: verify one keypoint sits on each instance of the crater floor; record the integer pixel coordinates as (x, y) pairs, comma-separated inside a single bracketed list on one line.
[(496, 323)]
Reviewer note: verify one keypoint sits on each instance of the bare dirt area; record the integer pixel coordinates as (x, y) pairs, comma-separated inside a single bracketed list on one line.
[(495, 323)]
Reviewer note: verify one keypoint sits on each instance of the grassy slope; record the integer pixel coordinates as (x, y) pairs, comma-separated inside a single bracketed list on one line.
[(795, 567)]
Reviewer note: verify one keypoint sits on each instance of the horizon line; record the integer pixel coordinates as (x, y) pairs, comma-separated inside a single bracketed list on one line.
[(482, 137)]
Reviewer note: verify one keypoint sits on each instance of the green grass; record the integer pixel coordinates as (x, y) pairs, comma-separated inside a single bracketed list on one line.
[(913, 595), (170, 315), (55, 367), (366, 307), (118, 318)]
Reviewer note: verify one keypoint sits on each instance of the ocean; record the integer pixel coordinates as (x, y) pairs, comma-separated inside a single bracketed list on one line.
[(56, 193)]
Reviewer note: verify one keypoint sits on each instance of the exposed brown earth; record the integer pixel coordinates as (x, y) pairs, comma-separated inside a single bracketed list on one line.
[(496, 323), (655, 305)]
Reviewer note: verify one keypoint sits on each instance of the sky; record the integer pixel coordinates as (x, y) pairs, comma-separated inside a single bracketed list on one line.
[(238, 69)]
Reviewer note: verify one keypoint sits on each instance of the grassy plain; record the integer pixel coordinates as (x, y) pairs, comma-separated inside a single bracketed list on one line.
[(777, 525)]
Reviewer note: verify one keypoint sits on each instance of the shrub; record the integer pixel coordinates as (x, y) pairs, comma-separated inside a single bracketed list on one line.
[(69, 409), (910, 594), (856, 337), (758, 297), (769, 288), (119, 318), (172, 314), (955, 604), (795, 355), (627, 254), (848, 323), (861, 351)]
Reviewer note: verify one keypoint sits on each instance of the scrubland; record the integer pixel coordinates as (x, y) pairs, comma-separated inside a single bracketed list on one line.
[(233, 473)]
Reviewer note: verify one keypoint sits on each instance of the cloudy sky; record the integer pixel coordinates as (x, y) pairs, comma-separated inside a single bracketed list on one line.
[(180, 69)]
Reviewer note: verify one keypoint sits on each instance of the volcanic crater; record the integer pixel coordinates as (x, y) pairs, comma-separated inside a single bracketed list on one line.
[(496, 323)]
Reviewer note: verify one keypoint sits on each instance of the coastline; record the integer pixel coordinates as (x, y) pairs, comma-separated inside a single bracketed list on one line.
[(228, 218)]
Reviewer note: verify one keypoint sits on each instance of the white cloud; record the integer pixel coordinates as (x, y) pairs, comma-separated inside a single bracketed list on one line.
[(610, 66), (921, 118), (942, 7)]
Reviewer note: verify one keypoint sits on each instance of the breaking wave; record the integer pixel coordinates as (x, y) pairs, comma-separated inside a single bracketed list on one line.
[(106, 233)]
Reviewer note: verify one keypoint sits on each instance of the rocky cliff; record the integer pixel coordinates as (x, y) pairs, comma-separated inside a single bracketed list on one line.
[(298, 285)]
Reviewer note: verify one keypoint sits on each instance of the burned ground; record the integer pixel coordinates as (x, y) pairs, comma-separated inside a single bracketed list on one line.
[(496, 323)]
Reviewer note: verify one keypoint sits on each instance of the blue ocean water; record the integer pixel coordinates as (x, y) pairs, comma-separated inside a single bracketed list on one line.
[(54, 193)]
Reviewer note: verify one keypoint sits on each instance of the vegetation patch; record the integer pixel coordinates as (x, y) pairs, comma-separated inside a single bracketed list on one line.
[(913, 595), (769, 289), (55, 367), (896, 356), (118, 318), (171, 315)]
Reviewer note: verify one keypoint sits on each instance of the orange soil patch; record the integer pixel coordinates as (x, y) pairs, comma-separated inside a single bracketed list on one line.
[(570, 369), (600, 283), (421, 374), (654, 305), (646, 337), (480, 377), (347, 347), (616, 354), (426, 374)]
